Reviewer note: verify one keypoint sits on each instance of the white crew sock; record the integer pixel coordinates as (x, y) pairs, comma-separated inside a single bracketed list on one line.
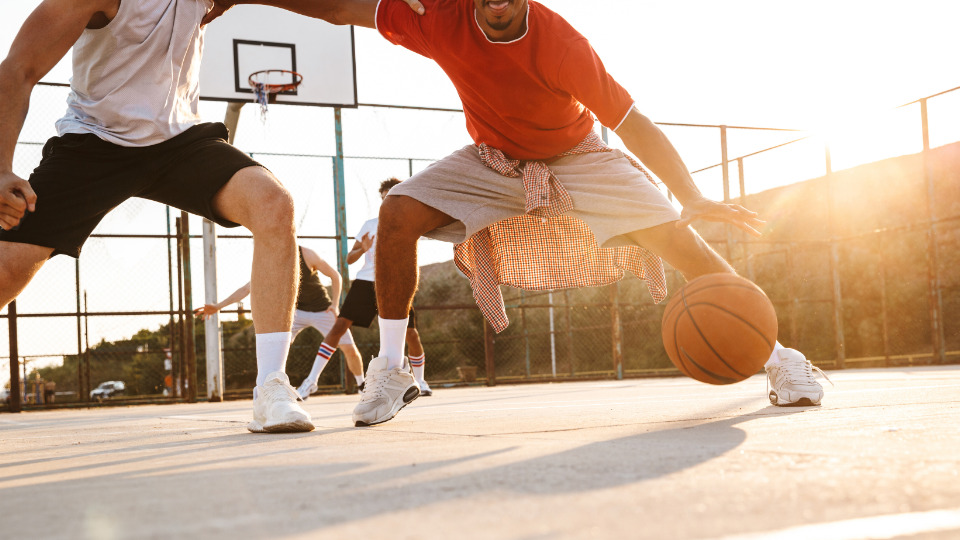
[(323, 356), (359, 379), (774, 357), (393, 333), (416, 362), (272, 352)]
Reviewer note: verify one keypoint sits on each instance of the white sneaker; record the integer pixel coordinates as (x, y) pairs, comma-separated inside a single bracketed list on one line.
[(307, 387), (385, 392), (275, 407), (791, 380), (425, 389)]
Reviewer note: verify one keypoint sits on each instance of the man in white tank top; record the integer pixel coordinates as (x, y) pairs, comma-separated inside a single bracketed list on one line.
[(132, 130)]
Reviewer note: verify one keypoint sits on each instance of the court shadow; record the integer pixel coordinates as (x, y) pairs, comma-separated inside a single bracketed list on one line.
[(237, 485)]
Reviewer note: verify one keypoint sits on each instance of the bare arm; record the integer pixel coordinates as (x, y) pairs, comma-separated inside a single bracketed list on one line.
[(209, 310), (317, 263), (45, 37), (645, 140), (359, 248), (355, 12)]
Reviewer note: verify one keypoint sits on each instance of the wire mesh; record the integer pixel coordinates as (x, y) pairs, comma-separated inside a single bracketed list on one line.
[(118, 314)]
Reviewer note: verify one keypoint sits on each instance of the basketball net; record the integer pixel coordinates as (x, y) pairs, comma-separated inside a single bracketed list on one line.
[(268, 83)]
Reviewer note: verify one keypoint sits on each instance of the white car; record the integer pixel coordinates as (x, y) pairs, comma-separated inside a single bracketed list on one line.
[(5, 395), (107, 390)]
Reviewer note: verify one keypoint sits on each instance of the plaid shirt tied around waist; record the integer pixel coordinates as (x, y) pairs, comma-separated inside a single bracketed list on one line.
[(545, 249)]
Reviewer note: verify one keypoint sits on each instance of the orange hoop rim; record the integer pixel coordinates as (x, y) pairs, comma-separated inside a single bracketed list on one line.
[(275, 88)]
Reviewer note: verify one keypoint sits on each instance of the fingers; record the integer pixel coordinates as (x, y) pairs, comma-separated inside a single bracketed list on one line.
[(8, 221), (416, 6), (13, 206), (211, 15), (27, 194), (734, 214)]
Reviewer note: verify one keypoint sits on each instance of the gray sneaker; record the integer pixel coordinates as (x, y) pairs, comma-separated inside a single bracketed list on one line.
[(791, 380), (385, 392), (275, 407), (425, 389)]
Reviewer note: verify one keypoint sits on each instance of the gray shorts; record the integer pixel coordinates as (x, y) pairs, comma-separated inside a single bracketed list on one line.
[(609, 194), (321, 320)]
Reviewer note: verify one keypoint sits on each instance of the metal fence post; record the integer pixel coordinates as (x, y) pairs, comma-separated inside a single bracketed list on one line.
[(526, 336), (616, 333), (933, 255), (190, 353), (570, 351), (178, 364), (835, 269), (212, 338), (743, 183), (79, 332), (882, 264), (340, 217), (725, 164), (488, 353), (16, 400)]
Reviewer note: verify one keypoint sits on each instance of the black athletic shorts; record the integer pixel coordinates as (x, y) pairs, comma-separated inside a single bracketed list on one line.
[(82, 177), (360, 306)]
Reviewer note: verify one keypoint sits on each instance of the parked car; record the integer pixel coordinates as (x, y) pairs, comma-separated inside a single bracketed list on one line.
[(5, 396), (108, 390)]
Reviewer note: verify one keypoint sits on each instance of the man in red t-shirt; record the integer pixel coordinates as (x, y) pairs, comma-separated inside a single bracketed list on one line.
[(538, 180)]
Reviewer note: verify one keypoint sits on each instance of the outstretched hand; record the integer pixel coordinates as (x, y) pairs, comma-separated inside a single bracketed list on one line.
[(734, 214), (207, 311), (16, 199)]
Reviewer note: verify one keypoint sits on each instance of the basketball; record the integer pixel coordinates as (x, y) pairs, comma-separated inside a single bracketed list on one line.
[(719, 328)]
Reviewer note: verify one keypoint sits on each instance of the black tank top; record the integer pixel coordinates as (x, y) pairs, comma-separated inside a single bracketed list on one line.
[(313, 296)]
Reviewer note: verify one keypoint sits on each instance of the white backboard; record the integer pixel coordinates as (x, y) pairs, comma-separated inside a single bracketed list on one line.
[(250, 38)]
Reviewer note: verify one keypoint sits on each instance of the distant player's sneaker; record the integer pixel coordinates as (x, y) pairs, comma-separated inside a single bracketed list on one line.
[(307, 388), (425, 389), (385, 392), (791, 380), (275, 407)]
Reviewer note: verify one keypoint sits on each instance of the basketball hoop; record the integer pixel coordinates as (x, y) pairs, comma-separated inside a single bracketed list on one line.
[(268, 83)]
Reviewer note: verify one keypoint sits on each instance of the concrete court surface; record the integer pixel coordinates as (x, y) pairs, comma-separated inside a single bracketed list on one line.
[(651, 458)]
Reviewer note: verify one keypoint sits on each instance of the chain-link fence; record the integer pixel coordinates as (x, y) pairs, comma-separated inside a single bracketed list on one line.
[(859, 264)]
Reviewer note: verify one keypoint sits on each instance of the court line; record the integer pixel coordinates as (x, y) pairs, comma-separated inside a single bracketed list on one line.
[(872, 528)]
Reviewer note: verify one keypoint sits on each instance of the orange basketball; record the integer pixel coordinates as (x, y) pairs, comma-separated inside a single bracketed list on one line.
[(719, 328)]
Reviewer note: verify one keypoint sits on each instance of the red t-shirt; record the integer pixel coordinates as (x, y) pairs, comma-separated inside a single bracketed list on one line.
[(531, 97)]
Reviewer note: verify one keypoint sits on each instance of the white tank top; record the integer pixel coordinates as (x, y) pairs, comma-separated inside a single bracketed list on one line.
[(136, 81)]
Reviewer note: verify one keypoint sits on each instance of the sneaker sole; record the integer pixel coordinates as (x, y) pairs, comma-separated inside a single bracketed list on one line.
[(404, 402), (298, 426), (802, 402)]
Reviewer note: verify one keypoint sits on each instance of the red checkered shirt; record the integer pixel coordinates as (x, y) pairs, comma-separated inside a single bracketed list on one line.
[(544, 249)]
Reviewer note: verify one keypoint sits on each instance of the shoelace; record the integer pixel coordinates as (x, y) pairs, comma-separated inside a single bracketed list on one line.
[(797, 371), (276, 392), (375, 382)]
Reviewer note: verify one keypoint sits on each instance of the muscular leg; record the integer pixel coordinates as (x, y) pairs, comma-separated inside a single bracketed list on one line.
[(255, 199), (414, 346), (354, 363), (18, 264), (683, 249), (403, 221)]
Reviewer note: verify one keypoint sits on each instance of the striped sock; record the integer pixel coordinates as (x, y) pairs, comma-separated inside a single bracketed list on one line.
[(416, 362), (323, 356)]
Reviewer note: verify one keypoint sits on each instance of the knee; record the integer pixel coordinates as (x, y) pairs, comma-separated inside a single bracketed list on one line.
[(272, 212), (405, 218), (340, 327)]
